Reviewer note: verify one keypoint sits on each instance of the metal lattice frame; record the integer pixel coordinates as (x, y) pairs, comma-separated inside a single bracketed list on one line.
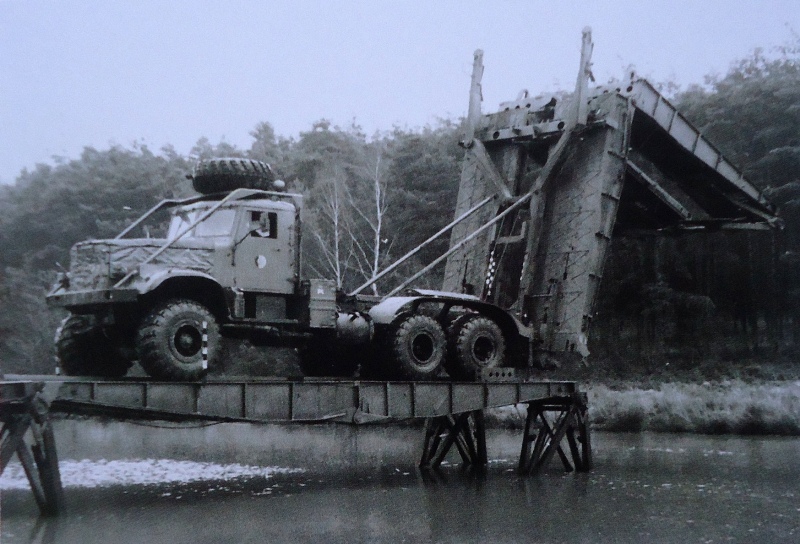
[(551, 425)]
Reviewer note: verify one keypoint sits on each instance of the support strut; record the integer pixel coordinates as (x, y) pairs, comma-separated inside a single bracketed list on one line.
[(39, 458), (466, 431), (548, 423)]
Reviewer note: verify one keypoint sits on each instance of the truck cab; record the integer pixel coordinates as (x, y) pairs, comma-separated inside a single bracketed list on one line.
[(256, 253), (226, 259)]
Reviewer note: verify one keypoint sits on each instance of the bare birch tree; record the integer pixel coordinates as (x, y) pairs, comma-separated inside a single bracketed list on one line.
[(330, 228), (369, 246)]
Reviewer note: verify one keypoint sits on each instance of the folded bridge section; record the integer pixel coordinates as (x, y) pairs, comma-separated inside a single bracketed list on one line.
[(557, 176)]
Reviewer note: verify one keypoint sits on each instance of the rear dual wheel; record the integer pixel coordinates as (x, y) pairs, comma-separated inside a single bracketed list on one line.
[(475, 343), (416, 349)]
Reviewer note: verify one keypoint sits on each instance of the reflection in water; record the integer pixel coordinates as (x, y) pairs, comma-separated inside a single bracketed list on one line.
[(361, 485), (103, 473)]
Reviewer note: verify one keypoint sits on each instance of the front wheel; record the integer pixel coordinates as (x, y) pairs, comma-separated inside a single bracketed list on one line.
[(84, 349), (417, 348), (178, 341)]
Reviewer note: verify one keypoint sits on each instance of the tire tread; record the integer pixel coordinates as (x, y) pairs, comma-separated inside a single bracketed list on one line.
[(229, 173), (153, 354)]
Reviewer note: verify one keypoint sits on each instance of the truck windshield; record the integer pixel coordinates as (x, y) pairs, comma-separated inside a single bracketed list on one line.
[(218, 225)]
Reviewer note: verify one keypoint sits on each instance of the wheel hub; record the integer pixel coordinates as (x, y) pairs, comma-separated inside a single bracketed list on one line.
[(187, 340), (422, 347), (483, 349)]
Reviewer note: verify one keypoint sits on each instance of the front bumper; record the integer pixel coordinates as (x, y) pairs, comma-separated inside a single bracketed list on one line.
[(99, 297)]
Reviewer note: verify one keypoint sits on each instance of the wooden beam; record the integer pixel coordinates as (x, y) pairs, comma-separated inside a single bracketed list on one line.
[(655, 188), (465, 431), (475, 99), (485, 162), (584, 75), (14, 429), (26, 458)]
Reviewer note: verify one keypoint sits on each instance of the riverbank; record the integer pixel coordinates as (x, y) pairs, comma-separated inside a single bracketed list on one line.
[(730, 406), (746, 396)]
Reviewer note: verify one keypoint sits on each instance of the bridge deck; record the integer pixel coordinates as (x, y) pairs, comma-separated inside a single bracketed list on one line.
[(285, 400)]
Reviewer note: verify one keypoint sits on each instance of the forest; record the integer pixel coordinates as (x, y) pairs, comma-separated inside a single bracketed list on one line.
[(700, 299)]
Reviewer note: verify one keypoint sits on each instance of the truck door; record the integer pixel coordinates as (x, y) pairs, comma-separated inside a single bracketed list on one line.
[(263, 260)]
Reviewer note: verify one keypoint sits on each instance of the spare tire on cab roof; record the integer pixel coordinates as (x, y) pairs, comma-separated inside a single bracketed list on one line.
[(227, 174)]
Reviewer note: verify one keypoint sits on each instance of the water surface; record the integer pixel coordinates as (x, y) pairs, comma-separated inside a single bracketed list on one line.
[(333, 483)]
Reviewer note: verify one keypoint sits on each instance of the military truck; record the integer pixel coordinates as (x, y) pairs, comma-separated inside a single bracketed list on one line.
[(545, 184), (229, 266)]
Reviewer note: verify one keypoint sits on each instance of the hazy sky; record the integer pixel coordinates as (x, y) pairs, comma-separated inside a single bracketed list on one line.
[(99, 72)]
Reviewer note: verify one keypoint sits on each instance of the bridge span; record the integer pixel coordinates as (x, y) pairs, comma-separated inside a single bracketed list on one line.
[(556, 422)]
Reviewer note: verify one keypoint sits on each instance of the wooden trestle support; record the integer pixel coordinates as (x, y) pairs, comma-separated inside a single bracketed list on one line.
[(28, 414), (543, 435), (548, 423), (466, 431)]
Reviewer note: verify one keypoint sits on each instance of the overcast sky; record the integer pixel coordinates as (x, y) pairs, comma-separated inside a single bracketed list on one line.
[(98, 73)]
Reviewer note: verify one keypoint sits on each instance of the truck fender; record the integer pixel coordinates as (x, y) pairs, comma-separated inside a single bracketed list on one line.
[(386, 311), (149, 283)]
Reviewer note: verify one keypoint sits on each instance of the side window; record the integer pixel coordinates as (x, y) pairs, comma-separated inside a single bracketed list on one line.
[(264, 224)]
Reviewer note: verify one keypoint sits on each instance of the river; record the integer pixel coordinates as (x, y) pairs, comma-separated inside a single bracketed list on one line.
[(127, 483)]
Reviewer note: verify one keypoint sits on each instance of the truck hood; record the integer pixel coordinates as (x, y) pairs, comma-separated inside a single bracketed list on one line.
[(98, 264)]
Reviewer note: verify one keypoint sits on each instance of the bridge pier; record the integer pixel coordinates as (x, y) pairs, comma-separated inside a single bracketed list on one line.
[(466, 431), (23, 411), (548, 423)]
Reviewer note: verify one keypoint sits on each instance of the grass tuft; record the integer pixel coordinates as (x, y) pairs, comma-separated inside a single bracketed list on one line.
[(729, 407), (721, 408)]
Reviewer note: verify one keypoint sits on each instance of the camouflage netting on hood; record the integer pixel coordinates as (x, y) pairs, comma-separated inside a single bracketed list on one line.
[(95, 261)]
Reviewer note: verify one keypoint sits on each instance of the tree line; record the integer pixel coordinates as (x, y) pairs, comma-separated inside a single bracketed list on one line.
[(369, 200)]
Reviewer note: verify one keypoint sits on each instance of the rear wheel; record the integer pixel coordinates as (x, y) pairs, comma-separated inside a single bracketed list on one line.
[(171, 342), (475, 343), (417, 348), (84, 349)]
